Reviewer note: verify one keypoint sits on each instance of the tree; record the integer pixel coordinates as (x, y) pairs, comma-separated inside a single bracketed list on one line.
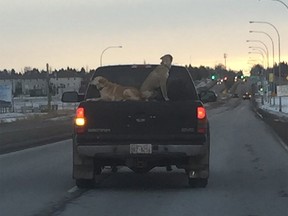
[(257, 70)]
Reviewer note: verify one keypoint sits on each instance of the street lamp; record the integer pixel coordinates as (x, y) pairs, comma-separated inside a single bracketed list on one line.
[(259, 48), (252, 61), (282, 3), (262, 32), (105, 50), (273, 58), (261, 22), (267, 52), (262, 51)]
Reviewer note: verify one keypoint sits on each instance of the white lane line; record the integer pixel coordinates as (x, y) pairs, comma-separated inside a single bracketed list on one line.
[(259, 115), (72, 190), (284, 145)]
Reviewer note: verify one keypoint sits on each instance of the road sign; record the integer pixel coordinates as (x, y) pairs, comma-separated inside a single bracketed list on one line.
[(271, 77), (6, 92), (282, 90)]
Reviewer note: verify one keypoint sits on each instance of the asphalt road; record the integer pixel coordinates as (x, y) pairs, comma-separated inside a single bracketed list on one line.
[(249, 177)]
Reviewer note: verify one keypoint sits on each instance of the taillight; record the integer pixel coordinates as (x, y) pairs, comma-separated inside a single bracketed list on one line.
[(201, 113), (80, 120), (202, 120)]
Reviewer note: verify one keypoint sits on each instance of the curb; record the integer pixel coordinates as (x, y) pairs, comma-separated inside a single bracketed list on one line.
[(279, 139)]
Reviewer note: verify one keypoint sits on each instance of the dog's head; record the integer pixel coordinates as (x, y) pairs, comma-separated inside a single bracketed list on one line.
[(100, 82), (167, 60)]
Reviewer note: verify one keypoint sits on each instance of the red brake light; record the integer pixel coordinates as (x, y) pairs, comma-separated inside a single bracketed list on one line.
[(201, 113), (80, 117), (202, 120), (80, 112)]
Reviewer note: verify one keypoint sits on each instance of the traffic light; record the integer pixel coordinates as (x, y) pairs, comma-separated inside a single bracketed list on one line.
[(213, 77)]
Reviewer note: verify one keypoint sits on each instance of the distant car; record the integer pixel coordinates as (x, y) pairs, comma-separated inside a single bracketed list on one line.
[(208, 96), (247, 95), (235, 95)]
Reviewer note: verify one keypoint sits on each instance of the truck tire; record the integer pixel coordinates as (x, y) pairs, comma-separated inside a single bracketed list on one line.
[(85, 183), (198, 182)]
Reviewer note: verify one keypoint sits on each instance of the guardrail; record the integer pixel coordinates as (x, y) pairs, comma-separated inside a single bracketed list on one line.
[(279, 104), (5, 109)]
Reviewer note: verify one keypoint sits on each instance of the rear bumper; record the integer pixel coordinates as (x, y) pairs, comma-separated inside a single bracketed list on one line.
[(124, 150)]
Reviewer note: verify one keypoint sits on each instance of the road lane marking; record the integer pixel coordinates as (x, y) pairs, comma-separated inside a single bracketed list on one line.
[(259, 115), (73, 189), (282, 143)]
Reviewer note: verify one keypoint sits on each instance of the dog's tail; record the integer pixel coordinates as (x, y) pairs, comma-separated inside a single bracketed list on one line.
[(147, 94), (132, 94)]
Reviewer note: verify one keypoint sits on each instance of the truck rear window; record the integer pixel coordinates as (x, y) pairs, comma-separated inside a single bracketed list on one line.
[(180, 85)]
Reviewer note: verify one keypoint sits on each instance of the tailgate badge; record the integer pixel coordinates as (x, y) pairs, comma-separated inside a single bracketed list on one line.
[(187, 130), (140, 120), (100, 130)]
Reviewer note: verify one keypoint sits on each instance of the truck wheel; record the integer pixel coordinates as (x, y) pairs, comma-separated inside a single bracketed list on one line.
[(198, 182), (85, 183)]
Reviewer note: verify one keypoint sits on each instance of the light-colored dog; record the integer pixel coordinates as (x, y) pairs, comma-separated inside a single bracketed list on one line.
[(114, 92), (157, 78)]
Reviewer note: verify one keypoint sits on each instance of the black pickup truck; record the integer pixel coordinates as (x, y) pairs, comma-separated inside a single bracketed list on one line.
[(140, 134)]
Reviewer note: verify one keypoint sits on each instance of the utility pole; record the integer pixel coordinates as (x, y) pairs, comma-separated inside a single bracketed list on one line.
[(225, 57), (48, 89)]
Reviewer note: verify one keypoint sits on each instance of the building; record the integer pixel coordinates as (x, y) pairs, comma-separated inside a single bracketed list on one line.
[(38, 86)]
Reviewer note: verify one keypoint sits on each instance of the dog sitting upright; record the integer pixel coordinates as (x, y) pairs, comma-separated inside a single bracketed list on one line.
[(157, 79), (114, 92)]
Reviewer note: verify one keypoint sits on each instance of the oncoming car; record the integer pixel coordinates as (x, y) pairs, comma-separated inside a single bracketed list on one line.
[(247, 95)]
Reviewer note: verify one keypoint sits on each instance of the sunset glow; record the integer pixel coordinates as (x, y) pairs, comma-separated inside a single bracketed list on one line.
[(69, 33)]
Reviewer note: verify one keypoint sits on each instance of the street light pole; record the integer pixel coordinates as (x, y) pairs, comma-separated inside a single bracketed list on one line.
[(105, 50), (263, 51), (260, 53), (253, 61), (263, 74), (271, 79), (261, 22), (282, 3), (273, 56), (267, 52), (48, 89)]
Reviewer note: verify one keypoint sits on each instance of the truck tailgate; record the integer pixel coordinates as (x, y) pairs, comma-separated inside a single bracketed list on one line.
[(141, 118)]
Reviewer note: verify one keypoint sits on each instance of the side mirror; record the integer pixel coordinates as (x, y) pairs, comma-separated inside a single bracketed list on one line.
[(72, 97)]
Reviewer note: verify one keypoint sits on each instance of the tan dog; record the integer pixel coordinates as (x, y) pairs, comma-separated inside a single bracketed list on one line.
[(158, 78), (114, 92)]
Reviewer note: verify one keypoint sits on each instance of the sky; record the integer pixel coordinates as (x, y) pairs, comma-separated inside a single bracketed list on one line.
[(74, 33)]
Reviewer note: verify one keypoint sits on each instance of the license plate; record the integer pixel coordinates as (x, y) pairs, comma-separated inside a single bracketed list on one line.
[(140, 149)]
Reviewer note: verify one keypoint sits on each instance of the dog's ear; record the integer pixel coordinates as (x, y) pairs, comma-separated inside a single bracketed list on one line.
[(93, 82), (102, 80), (166, 57)]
